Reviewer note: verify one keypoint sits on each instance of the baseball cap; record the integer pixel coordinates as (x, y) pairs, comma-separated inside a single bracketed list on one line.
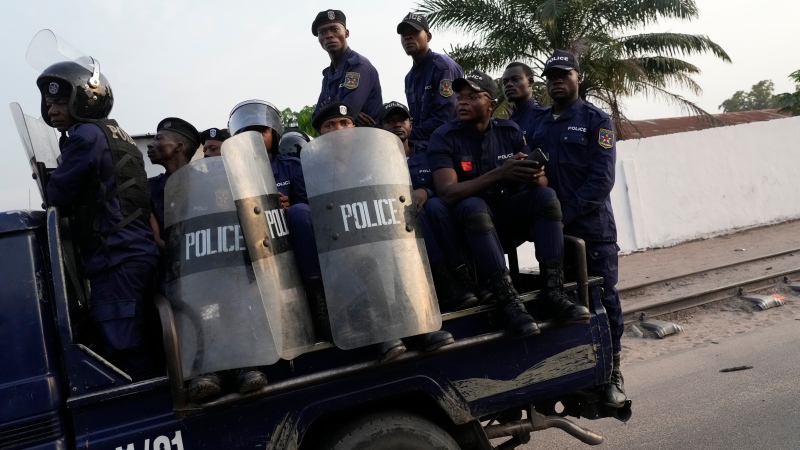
[(418, 21), (390, 107), (561, 60), (478, 81)]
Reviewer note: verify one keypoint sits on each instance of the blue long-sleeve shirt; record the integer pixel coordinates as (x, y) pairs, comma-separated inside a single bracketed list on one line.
[(288, 173), (582, 147), (430, 96), (354, 82), (85, 154)]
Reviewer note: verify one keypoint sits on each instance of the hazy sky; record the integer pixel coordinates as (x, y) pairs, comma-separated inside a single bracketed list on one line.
[(196, 59)]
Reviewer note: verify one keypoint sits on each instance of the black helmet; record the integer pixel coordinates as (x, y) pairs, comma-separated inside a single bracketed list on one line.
[(292, 141), (90, 96)]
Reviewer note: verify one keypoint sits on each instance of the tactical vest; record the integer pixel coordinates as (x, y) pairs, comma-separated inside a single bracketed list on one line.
[(130, 186)]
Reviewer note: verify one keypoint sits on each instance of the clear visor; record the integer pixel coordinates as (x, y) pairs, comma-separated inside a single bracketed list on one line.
[(247, 114), (47, 49)]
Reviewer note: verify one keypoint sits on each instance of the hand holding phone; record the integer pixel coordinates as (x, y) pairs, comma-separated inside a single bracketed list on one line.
[(538, 156)]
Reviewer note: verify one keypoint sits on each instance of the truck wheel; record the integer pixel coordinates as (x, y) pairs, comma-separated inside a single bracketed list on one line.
[(393, 430)]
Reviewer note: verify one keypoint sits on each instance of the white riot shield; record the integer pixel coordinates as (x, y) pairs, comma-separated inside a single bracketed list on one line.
[(222, 322), (375, 269), (267, 235), (40, 143)]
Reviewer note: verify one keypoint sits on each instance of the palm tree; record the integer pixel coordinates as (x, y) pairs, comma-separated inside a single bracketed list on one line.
[(615, 64)]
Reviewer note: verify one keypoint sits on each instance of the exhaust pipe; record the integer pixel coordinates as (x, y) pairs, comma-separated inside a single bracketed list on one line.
[(538, 422)]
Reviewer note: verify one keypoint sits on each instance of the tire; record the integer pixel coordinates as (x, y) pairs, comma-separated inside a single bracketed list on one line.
[(391, 430)]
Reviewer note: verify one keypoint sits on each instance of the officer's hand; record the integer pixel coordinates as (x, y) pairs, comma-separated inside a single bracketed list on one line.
[(517, 168), (284, 200), (539, 178), (364, 120), (419, 197)]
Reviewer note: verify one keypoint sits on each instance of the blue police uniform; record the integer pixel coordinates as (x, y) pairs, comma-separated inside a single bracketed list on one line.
[(429, 91), (521, 213), (288, 173), (582, 148), (527, 117), (354, 82), (121, 272), (156, 187), (438, 229)]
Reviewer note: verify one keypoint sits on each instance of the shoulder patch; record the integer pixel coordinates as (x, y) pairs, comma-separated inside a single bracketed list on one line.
[(446, 88), (351, 80), (605, 138)]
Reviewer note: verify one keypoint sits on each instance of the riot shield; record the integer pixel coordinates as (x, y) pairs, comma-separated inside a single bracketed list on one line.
[(374, 266), (40, 143), (221, 320), (264, 226)]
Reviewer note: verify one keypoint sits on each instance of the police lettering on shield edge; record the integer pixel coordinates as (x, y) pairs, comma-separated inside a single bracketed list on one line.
[(101, 179), (212, 140), (517, 83), (264, 118), (581, 141), (455, 288), (337, 116), (478, 166), (175, 143), (350, 78), (429, 83)]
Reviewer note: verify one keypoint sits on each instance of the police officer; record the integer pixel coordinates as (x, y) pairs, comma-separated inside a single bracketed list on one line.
[(581, 142), (337, 116), (518, 86), (101, 179), (455, 288), (292, 142), (350, 78), (478, 164), (174, 145), (429, 83), (212, 140), (264, 118)]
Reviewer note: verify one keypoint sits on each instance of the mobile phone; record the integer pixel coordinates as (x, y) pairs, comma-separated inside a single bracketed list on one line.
[(538, 156)]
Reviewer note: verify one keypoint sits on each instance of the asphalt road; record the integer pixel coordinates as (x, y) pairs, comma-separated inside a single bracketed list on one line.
[(683, 401)]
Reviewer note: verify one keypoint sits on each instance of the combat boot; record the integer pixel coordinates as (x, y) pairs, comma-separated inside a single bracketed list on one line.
[(250, 379), (518, 321), (462, 276), (204, 386), (614, 392), (452, 295), (315, 293), (554, 300)]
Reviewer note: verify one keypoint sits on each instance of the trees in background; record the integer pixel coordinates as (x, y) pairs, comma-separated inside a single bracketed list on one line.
[(761, 96), (616, 62)]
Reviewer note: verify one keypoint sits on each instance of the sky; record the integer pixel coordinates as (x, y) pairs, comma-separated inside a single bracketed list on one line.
[(197, 59)]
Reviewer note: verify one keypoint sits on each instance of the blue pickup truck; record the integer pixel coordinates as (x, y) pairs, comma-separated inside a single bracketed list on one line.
[(487, 387)]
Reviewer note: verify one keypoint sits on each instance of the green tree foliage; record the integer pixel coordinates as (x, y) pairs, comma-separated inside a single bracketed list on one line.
[(790, 102), (761, 96), (616, 64), (300, 119)]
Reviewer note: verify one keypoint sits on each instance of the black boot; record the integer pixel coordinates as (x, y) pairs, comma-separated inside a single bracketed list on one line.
[(452, 295), (518, 321), (436, 340), (205, 386), (555, 301), (462, 276), (315, 293), (389, 350), (614, 392), (250, 379)]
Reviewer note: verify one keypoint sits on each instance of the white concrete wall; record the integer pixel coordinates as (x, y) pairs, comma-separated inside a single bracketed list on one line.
[(681, 187)]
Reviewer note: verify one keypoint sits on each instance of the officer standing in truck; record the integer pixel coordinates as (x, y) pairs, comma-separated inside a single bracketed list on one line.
[(517, 81), (102, 182), (429, 83), (350, 78), (212, 140), (581, 142)]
